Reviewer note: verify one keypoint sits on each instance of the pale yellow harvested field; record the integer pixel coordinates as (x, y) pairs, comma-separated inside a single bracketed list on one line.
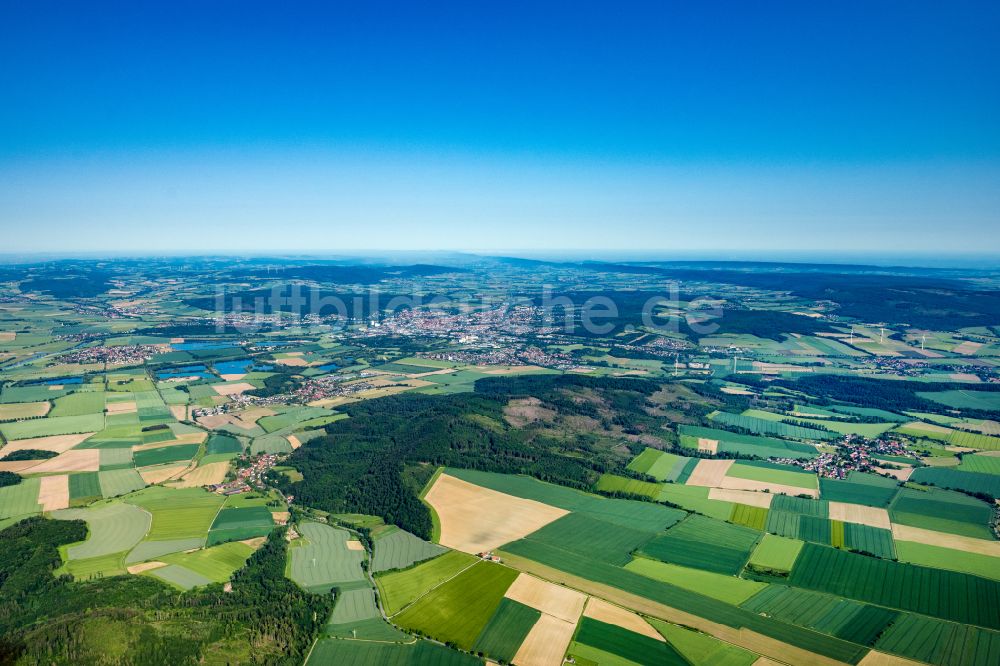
[(766, 661), (958, 542), (749, 484), (602, 611), (57, 443), (546, 643), (708, 445), (233, 378), (293, 441), (233, 389), (179, 412), (176, 341), (24, 410), (281, 518), (8, 336), (120, 407), (733, 390), (964, 377), (145, 566), (928, 427), (874, 658), (901, 474), (861, 515), (56, 387), (439, 371), (968, 347), (53, 492), (709, 473), (549, 598), (475, 519), (160, 473), (255, 542), (16, 465), (294, 362), (206, 475), (353, 544), (747, 497), (74, 460)]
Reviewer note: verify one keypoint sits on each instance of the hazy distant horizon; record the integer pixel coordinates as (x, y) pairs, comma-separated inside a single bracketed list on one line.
[(971, 260)]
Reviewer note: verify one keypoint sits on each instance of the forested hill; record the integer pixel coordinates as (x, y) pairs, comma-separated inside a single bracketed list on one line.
[(564, 429), (44, 619)]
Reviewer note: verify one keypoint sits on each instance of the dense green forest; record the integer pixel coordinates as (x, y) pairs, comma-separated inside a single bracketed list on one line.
[(44, 619), (361, 464)]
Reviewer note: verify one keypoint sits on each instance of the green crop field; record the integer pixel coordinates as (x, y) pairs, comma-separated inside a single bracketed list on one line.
[(180, 577), (239, 524), (857, 490), (948, 558), (612, 483), (843, 618), (165, 454), (970, 482), (626, 644), (398, 589), (984, 400), (768, 427), (764, 447), (116, 457), (334, 652), (754, 517), (223, 444), (291, 417), (322, 559), (594, 538), (178, 513), (94, 567), (506, 630), (63, 425), (771, 473), (638, 515), (942, 510), (801, 505), (458, 610), (730, 589), (980, 463), (78, 404), (84, 486), (695, 498), (119, 482), (776, 553), (936, 642), (150, 550), (704, 543), (944, 594), (20, 499), (869, 539), (645, 460), (113, 528), (399, 549), (216, 563), (699, 648), (658, 464)]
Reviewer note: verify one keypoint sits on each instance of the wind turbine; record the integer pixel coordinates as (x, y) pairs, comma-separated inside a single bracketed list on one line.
[(881, 334), (923, 339), (675, 365), (852, 334)]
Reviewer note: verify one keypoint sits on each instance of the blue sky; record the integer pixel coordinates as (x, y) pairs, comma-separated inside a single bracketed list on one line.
[(559, 125)]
